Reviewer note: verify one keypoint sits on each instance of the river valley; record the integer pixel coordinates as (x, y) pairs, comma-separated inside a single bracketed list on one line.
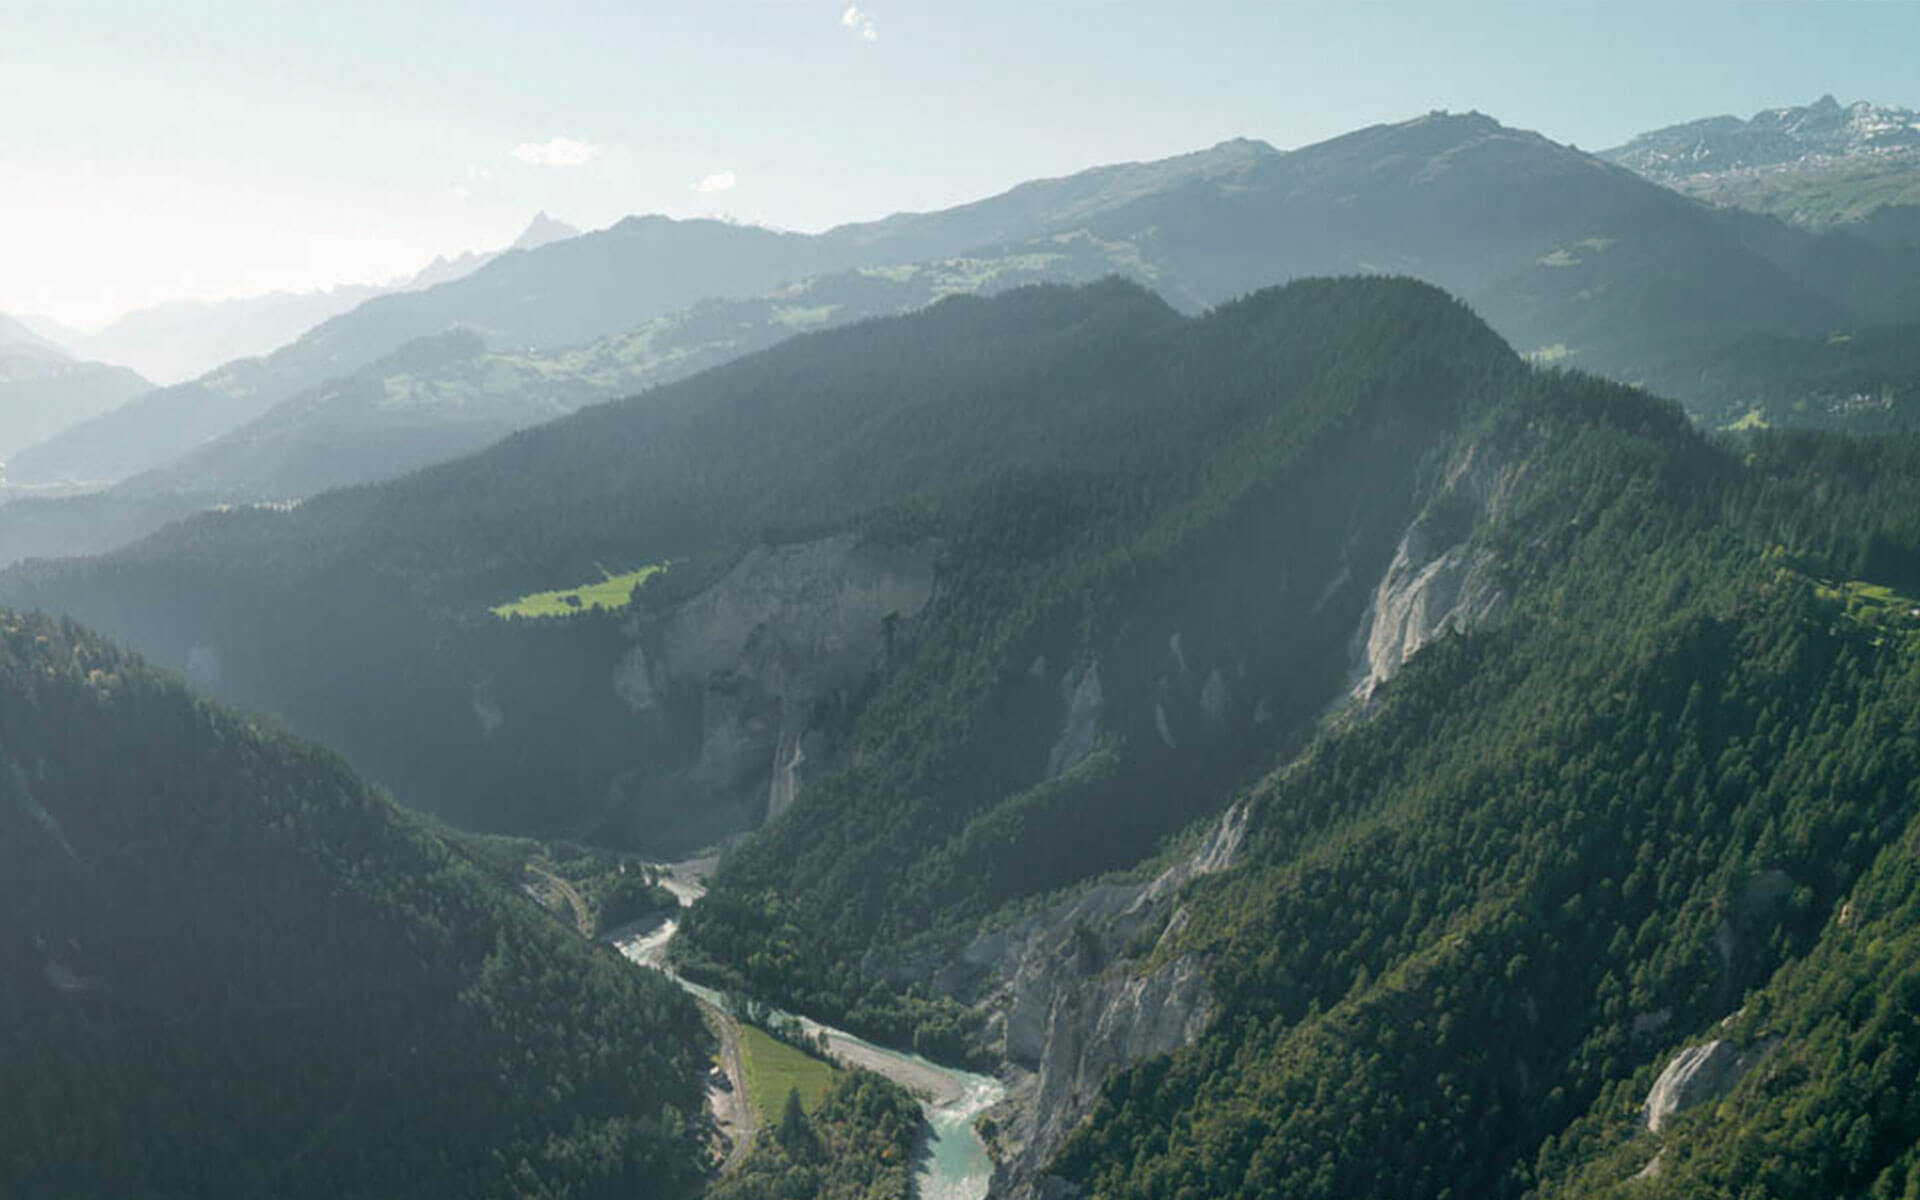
[(956, 1165)]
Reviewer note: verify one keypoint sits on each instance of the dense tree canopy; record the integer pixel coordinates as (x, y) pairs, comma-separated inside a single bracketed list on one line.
[(232, 969), (858, 1145), (1562, 850), (1473, 917)]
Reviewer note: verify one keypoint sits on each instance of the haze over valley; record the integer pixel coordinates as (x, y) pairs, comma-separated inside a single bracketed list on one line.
[(1042, 603)]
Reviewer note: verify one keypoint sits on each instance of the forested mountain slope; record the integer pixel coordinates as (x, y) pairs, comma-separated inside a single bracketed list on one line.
[(1816, 1069), (971, 606), (1559, 250), (1863, 381), (816, 492), (439, 397), (557, 294), (1560, 851), (1563, 253), (1466, 932), (232, 969)]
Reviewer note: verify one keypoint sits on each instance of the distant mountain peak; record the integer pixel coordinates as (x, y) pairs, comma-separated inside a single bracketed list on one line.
[(542, 230), (17, 336), (1817, 165), (1773, 138), (1473, 118), (1438, 137), (1240, 147), (1444, 124)]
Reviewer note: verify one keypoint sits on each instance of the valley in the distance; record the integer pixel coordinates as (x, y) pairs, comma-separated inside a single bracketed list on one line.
[(1387, 668)]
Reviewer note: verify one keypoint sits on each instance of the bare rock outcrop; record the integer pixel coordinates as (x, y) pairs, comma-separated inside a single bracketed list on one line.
[(1697, 1075), (1070, 1014), (1422, 596), (1439, 580), (734, 680), (1085, 702)]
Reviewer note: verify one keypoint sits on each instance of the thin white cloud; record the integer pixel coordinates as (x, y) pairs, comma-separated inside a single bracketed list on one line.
[(719, 181), (558, 152), (859, 21)]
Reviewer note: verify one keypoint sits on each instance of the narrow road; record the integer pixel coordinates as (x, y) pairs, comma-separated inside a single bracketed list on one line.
[(732, 1110), (582, 917)]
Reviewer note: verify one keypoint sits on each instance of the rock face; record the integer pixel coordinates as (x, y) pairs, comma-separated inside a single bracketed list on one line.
[(738, 681), (1062, 988), (1080, 689), (1424, 595), (801, 617), (1069, 1017), (1438, 580), (1697, 1075)]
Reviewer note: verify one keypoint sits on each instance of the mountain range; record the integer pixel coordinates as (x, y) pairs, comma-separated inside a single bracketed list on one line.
[(1821, 165), (1304, 747), (1573, 259), (20, 338), (555, 295), (43, 389), (182, 339)]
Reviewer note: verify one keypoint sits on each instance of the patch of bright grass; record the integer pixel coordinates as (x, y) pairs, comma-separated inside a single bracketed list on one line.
[(1754, 419), (612, 593), (1872, 603), (775, 1068)]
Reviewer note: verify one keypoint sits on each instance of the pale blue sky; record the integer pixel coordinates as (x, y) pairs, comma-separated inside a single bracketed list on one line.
[(208, 148)]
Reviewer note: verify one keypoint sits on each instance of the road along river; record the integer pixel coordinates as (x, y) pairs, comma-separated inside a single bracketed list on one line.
[(957, 1166)]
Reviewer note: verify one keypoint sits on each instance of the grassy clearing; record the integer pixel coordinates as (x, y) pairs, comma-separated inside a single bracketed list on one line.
[(612, 593), (773, 1069), (1873, 603)]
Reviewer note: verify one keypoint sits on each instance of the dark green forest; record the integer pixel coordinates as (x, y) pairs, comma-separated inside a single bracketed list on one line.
[(1473, 917), (931, 830), (1665, 794), (1034, 424), (1864, 381), (858, 1145), (233, 969), (1644, 795)]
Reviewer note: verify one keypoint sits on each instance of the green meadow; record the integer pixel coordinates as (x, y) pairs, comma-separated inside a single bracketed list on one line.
[(1873, 604), (775, 1068), (612, 593)]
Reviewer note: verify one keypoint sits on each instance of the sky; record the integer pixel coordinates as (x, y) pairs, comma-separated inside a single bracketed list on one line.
[(210, 148)]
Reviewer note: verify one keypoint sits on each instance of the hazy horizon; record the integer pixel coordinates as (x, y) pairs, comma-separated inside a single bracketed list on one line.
[(1381, 668), (217, 150)]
